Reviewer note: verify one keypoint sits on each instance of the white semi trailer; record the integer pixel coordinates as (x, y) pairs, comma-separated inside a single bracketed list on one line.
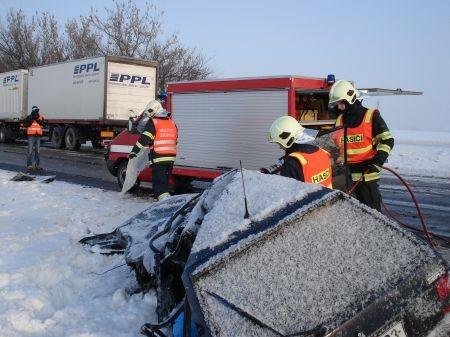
[(89, 99), (13, 103)]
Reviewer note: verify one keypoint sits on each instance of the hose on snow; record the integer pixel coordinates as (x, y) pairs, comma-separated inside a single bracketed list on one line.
[(424, 230)]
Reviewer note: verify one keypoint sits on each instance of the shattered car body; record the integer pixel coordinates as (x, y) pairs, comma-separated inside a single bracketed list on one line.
[(308, 262)]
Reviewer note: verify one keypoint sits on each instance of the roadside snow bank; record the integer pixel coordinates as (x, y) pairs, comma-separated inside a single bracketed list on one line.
[(47, 281), (422, 138), (421, 153)]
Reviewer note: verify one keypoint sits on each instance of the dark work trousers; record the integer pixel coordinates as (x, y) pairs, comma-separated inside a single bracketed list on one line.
[(368, 193), (34, 144), (160, 177)]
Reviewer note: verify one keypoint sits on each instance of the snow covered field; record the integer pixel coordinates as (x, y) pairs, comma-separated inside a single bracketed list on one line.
[(421, 153), (48, 285)]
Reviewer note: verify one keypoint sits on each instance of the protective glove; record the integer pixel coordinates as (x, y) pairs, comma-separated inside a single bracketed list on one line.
[(264, 170), (132, 155), (375, 167)]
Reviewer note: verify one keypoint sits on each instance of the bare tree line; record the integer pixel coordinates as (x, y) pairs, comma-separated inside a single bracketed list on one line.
[(124, 30)]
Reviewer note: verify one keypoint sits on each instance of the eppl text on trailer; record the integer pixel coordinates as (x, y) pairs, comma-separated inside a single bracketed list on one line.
[(222, 121)]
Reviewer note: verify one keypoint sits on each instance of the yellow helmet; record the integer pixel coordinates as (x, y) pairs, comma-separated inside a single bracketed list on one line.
[(284, 130), (153, 108), (343, 90)]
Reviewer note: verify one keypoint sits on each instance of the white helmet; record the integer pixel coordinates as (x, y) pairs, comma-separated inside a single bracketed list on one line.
[(153, 108), (284, 131), (343, 90)]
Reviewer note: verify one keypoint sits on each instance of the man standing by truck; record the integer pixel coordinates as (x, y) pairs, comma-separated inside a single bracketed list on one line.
[(365, 141), (34, 124), (303, 161), (161, 135)]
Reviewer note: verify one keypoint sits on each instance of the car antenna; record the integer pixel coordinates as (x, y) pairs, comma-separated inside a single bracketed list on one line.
[(246, 216)]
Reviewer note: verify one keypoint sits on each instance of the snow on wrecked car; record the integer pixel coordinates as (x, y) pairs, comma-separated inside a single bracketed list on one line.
[(309, 261)]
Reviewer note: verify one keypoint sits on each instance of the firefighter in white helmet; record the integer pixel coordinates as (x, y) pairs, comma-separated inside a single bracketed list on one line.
[(303, 161), (161, 135), (364, 140)]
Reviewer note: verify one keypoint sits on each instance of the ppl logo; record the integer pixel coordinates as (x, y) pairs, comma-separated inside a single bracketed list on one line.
[(115, 77), (85, 68), (10, 79)]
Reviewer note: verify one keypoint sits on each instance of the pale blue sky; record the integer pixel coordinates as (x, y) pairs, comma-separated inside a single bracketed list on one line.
[(392, 44)]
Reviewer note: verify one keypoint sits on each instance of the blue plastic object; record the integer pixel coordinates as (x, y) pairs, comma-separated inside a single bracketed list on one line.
[(177, 329)]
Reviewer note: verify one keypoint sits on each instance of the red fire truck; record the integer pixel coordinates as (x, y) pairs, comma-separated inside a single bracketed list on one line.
[(223, 121)]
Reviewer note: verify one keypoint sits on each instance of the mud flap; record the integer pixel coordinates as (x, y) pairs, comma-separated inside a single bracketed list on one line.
[(134, 168)]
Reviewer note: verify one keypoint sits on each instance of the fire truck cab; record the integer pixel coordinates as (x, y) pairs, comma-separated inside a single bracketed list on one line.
[(224, 121)]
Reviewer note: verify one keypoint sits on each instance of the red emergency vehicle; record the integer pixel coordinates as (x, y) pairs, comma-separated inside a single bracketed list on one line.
[(223, 121)]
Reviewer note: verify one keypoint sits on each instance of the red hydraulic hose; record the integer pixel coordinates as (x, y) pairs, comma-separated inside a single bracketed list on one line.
[(350, 191), (419, 212), (391, 215), (422, 219)]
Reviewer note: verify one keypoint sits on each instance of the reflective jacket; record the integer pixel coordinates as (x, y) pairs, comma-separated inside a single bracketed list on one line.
[(35, 129), (166, 135), (160, 135), (360, 140), (315, 166), (378, 142)]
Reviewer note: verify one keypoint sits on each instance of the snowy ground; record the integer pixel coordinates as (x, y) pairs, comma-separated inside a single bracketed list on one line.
[(421, 153), (47, 283)]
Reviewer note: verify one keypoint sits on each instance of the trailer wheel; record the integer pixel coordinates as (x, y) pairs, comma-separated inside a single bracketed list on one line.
[(72, 138), (2, 133), (58, 137), (121, 174)]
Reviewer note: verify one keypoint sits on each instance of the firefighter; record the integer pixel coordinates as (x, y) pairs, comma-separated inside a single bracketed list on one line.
[(303, 161), (365, 141), (161, 135), (34, 124)]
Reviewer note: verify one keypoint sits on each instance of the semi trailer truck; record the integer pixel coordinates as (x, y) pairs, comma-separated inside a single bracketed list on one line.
[(82, 100)]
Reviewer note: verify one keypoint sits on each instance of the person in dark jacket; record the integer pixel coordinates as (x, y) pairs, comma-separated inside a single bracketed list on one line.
[(364, 140), (161, 135), (303, 161), (34, 124)]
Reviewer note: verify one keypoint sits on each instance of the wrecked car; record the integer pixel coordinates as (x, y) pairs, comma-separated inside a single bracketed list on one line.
[(306, 261)]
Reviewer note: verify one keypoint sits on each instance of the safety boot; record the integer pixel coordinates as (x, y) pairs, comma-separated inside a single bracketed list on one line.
[(163, 196)]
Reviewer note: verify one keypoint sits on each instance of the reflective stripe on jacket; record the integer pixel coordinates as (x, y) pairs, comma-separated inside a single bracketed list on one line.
[(316, 167), (166, 135), (35, 129), (360, 140)]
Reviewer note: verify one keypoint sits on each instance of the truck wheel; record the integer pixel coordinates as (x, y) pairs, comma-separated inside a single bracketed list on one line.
[(121, 174), (2, 133), (58, 137), (72, 138)]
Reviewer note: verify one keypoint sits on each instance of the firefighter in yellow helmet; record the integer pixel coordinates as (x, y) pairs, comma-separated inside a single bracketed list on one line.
[(303, 161), (365, 141), (161, 135)]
